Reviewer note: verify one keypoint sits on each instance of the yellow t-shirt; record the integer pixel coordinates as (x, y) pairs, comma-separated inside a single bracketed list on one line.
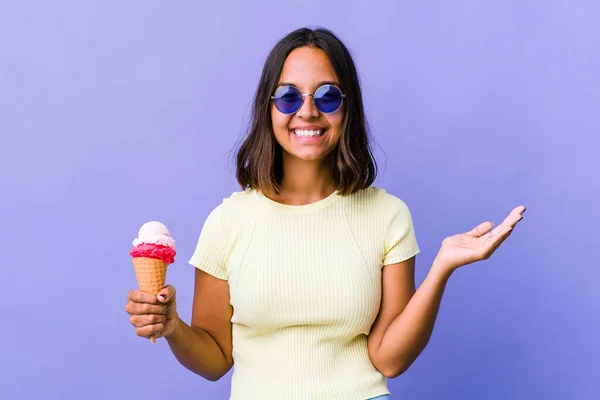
[(305, 286)]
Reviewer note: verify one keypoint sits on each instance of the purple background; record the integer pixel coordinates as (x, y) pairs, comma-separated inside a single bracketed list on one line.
[(114, 113)]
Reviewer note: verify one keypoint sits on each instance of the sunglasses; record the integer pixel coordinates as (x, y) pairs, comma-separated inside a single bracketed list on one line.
[(327, 99)]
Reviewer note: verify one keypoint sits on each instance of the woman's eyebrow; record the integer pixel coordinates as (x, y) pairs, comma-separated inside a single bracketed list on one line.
[(318, 85)]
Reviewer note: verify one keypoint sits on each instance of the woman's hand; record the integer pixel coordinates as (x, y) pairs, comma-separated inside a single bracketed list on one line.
[(152, 314), (478, 244)]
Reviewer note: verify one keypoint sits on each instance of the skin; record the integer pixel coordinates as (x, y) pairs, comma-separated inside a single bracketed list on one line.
[(406, 317)]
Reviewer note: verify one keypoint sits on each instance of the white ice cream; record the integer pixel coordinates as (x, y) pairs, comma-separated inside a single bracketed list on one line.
[(154, 232)]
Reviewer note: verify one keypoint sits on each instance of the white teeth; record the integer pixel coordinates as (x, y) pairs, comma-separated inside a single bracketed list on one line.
[(303, 133)]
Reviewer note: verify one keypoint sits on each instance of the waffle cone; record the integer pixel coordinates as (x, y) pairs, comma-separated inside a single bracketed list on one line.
[(151, 274)]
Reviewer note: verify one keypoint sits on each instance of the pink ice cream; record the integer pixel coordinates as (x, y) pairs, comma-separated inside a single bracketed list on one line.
[(154, 241)]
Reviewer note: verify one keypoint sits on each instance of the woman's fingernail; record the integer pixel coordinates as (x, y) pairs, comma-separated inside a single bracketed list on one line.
[(162, 296)]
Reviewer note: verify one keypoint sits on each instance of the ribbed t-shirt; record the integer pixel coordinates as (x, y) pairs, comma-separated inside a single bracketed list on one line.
[(305, 287)]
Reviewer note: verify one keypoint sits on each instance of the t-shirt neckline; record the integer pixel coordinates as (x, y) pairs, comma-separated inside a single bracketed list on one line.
[(299, 209)]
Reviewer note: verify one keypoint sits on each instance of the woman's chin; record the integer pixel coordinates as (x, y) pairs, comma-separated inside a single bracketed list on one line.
[(313, 156)]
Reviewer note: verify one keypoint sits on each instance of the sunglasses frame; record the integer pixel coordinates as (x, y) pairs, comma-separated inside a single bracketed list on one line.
[(303, 95)]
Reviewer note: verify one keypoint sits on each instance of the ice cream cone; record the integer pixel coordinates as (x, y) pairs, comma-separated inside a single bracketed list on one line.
[(151, 274)]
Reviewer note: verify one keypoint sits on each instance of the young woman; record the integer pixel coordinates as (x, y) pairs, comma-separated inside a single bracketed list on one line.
[(305, 278)]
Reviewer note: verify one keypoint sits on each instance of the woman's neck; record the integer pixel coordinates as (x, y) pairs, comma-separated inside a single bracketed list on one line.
[(305, 182)]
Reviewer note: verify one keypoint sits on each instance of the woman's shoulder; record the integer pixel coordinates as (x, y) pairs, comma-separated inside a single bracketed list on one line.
[(375, 196), (376, 202), (233, 209), (241, 196), (237, 201)]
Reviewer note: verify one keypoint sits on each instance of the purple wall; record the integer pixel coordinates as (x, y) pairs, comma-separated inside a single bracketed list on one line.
[(113, 113)]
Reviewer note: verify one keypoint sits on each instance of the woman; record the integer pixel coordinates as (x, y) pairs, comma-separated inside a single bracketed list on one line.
[(306, 277)]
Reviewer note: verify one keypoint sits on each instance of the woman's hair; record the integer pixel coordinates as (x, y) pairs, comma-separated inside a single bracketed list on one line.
[(259, 159)]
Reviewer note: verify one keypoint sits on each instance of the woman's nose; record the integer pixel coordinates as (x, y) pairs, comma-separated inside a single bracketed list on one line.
[(308, 109)]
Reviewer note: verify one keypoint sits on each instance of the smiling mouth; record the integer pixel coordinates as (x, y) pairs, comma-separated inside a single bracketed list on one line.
[(308, 133)]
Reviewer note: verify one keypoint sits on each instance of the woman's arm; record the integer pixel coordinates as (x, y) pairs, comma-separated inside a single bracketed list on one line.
[(406, 318), (403, 328), (205, 347)]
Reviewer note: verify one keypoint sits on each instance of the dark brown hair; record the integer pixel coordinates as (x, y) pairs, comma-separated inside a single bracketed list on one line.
[(259, 159)]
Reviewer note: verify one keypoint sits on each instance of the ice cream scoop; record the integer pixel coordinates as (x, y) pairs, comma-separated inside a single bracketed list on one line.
[(154, 232)]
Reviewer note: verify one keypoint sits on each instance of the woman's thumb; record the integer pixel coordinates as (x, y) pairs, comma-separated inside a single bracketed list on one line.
[(482, 229), (166, 294)]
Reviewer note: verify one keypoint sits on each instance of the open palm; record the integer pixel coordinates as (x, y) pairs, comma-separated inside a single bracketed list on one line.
[(478, 244)]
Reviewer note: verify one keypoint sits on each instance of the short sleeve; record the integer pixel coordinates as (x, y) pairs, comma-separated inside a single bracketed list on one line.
[(400, 238), (212, 251)]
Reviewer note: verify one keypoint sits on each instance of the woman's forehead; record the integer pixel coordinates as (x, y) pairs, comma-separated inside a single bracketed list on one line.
[(306, 68)]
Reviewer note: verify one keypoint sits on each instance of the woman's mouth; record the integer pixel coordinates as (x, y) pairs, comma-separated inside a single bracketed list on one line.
[(306, 133)]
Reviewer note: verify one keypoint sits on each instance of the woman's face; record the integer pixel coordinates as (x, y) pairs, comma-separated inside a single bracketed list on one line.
[(307, 69)]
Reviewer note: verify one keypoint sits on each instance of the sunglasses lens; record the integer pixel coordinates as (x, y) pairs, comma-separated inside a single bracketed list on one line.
[(328, 98), (287, 99)]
